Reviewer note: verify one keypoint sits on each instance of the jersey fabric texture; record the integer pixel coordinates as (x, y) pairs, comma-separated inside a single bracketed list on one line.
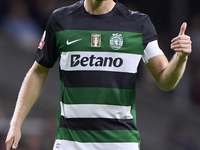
[(99, 56)]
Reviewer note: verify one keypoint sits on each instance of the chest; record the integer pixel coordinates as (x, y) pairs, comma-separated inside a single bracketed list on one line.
[(99, 41)]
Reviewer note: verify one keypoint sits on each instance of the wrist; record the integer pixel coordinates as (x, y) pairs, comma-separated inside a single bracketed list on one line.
[(15, 123), (182, 57)]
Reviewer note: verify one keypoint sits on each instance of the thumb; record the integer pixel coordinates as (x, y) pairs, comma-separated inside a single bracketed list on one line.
[(183, 29)]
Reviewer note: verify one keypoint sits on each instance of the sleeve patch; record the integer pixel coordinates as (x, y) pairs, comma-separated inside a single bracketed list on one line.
[(41, 45)]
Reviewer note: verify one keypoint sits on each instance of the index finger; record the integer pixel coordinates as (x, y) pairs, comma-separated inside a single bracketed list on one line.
[(9, 143)]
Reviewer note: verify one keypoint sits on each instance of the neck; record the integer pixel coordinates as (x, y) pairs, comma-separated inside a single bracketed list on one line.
[(98, 7)]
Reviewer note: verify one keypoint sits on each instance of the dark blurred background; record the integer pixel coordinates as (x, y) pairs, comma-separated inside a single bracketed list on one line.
[(166, 120)]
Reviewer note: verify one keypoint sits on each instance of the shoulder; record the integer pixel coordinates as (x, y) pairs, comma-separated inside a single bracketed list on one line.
[(67, 10), (130, 14)]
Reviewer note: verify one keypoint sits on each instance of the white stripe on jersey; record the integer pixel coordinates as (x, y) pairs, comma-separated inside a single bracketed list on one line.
[(71, 145), (99, 61), (95, 111)]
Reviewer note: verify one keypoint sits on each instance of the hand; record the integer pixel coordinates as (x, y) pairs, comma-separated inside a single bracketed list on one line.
[(182, 43), (13, 137)]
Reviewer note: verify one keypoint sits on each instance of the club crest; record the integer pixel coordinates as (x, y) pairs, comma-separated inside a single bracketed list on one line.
[(116, 41)]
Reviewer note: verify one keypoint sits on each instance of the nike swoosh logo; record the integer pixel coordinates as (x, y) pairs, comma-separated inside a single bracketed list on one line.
[(69, 43)]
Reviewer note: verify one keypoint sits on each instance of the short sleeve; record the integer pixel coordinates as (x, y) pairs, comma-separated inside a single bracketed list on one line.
[(47, 53), (149, 32)]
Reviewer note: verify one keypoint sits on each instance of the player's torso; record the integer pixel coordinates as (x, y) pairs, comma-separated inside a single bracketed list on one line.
[(98, 65)]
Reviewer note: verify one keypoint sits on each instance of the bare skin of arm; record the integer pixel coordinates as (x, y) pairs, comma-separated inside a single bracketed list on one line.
[(30, 91), (168, 74)]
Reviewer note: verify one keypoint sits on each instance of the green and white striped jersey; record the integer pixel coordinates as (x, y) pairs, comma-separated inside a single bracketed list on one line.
[(99, 56)]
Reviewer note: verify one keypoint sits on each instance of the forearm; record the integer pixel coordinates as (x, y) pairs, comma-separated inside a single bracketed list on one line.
[(31, 89), (172, 74)]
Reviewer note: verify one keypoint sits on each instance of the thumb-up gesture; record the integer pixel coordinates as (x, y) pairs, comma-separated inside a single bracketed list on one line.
[(182, 43)]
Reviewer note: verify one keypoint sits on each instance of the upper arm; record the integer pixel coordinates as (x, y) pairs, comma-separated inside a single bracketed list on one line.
[(47, 53), (39, 69), (155, 59)]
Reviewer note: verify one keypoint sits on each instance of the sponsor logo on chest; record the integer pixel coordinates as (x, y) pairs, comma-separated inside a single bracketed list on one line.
[(78, 60), (102, 61)]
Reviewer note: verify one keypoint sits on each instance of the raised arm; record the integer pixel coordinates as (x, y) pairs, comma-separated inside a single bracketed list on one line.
[(31, 89), (168, 74)]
